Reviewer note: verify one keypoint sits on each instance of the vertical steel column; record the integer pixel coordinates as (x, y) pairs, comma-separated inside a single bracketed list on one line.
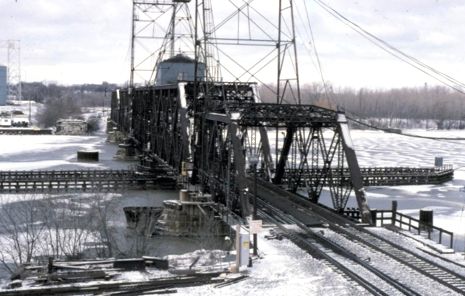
[(354, 168), (280, 168)]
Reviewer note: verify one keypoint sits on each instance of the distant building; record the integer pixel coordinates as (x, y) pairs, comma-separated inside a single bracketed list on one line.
[(178, 68), (3, 85), (74, 127), (5, 122)]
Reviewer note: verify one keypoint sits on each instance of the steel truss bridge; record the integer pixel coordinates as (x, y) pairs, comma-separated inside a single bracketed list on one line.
[(225, 134)]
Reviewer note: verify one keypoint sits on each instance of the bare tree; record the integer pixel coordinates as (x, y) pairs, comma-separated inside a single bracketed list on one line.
[(21, 230), (56, 108), (36, 226), (68, 226)]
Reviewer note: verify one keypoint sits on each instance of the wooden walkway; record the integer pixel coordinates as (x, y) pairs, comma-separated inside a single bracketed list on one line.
[(394, 176), (119, 180), (377, 176), (81, 181)]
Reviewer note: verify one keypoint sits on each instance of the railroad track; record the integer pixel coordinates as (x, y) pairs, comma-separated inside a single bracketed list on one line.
[(391, 269), (347, 264), (421, 264)]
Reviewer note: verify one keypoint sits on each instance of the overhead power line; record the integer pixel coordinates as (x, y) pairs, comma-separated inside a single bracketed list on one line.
[(397, 53)]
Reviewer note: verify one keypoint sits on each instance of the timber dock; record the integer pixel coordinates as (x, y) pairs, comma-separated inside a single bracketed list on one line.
[(81, 181)]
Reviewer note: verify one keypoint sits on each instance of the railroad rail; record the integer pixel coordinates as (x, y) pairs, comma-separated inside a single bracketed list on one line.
[(54, 181), (351, 266), (356, 243)]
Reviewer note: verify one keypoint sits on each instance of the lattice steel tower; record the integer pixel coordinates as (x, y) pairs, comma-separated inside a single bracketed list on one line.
[(160, 29), (13, 62)]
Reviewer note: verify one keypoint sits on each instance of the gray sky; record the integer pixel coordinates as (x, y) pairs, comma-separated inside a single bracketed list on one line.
[(69, 41), (88, 41)]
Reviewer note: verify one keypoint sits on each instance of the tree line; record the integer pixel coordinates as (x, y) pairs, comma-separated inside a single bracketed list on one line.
[(89, 95), (430, 107), (61, 101), (426, 106)]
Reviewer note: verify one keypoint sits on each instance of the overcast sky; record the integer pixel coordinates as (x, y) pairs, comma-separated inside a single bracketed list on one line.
[(89, 41)]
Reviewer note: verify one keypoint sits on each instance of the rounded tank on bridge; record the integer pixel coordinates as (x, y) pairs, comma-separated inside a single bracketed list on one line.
[(178, 68)]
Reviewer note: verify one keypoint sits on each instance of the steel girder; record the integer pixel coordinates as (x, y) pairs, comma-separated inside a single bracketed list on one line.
[(121, 110), (310, 158), (283, 115), (223, 172), (312, 142), (160, 124)]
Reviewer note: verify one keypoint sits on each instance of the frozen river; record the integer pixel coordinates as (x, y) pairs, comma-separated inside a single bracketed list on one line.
[(281, 259)]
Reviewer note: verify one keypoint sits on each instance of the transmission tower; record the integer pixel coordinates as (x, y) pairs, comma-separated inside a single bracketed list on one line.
[(160, 29), (13, 63), (206, 46), (270, 33), (268, 53)]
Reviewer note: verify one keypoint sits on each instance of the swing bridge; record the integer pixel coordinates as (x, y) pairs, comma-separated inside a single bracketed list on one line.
[(225, 136)]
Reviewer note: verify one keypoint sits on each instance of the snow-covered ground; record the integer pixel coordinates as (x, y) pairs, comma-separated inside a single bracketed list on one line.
[(284, 270)]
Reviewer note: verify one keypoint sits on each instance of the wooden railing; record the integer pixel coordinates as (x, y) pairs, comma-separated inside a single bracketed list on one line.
[(413, 225), (388, 217)]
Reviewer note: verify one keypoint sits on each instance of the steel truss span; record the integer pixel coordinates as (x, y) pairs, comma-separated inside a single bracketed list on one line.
[(218, 132)]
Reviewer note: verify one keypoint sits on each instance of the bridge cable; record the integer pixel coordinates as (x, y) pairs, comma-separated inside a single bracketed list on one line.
[(316, 53), (390, 49)]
